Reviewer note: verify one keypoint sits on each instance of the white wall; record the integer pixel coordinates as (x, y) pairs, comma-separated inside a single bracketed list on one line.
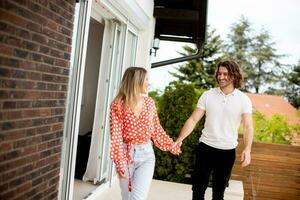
[(144, 45), (147, 6), (146, 35)]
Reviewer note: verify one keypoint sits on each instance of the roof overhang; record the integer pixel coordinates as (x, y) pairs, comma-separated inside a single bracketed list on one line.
[(181, 20)]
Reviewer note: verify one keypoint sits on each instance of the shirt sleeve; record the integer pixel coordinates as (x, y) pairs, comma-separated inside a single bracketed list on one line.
[(117, 153), (202, 101), (160, 138), (247, 105)]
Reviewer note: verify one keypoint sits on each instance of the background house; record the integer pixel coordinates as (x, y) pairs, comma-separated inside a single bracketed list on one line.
[(271, 104)]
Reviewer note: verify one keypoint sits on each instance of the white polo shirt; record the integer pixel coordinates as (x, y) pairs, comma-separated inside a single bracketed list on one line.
[(223, 117)]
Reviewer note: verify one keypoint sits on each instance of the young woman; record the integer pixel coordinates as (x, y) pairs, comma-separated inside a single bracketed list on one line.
[(134, 125)]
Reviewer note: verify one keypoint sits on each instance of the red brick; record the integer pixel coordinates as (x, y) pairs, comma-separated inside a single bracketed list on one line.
[(12, 40), (5, 147), (37, 113), (61, 63), (9, 115), (56, 53), (44, 49), (23, 33), (7, 50), (52, 25), (39, 38), (13, 135), (29, 45), (65, 31), (57, 127), (9, 105), (4, 72), (24, 187), (29, 150), (8, 195), (3, 187), (67, 5), (49, 60), (18, 162), (7, 16), (4, 94), (24, 104)]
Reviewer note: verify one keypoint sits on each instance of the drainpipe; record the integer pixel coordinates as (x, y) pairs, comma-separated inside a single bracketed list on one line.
[(180, 59)]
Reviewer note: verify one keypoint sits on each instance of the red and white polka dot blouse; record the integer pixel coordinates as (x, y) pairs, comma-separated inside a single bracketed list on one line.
[(126, 127)]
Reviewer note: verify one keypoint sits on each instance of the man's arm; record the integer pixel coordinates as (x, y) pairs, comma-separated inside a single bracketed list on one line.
[(190, 124), (248, 138)]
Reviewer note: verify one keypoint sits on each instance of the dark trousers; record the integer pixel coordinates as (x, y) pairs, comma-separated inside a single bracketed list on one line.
[(217, 161)]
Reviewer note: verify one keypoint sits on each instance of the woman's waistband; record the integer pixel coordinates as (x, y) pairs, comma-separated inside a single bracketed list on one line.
[(137, 145)]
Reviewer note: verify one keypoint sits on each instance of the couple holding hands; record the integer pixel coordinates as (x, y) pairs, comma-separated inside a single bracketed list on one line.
[(135, 127)]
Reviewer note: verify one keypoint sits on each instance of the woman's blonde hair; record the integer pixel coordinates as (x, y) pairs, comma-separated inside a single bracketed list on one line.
[(131, 86)]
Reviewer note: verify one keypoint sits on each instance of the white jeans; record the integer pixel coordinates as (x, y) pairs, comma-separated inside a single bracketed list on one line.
[(141, 172)]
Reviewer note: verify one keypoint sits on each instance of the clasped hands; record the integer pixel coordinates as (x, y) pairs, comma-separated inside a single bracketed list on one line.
[(175, 149)]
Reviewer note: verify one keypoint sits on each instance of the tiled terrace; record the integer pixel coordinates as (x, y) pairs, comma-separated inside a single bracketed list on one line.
[(161, 190)]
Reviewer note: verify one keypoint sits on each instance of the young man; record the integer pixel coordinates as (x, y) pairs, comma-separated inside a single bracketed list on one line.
[(225, 108)]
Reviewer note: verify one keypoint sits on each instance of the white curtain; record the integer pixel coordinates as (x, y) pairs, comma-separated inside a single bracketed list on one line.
[(93, 165)]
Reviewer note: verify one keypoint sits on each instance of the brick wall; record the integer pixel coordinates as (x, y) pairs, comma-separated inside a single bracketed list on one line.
[(35, 46)]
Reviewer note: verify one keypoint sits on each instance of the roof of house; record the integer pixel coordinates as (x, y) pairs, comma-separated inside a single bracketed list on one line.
[(271, 104)]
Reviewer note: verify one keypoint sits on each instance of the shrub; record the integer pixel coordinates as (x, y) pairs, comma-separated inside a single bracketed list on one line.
[(274, 130), (175, 106)]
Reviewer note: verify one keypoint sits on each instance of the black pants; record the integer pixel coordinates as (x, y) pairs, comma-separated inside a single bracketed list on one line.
[(217, 161)]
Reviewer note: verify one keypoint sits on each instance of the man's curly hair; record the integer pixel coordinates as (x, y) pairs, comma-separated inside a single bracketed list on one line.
[(234, 71)]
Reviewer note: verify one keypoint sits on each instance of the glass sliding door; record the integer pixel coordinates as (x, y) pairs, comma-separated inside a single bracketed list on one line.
[(114, 77), (130, 52)]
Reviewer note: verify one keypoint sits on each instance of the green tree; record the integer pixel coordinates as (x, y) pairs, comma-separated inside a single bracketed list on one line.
[(256, 54), (293, 86), (274, 130), (296, 128), (201, 71), (290, 86), (155, 94), (176, 105), (237, 48)]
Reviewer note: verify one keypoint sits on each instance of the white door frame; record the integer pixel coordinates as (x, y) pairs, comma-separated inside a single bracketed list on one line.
[(71, 122)]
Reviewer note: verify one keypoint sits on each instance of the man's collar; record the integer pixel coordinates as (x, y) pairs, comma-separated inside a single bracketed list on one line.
[(221, 92)]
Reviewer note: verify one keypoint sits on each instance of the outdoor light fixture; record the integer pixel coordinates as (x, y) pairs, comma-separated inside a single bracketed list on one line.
[(155, 46)]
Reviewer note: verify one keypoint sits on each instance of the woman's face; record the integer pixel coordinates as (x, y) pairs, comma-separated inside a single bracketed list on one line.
[(145, 84)]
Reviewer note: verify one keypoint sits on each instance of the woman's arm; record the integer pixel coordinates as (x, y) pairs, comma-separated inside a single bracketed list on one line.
[(160, 138), (116, 138)]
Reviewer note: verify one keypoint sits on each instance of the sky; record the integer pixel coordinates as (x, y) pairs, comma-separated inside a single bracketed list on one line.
[(279, 18)]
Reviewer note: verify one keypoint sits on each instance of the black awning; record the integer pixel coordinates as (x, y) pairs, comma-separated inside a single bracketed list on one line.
[(181, 20)]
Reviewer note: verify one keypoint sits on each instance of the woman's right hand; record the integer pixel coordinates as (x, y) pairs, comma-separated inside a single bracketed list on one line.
[(121, 174), (175, 148), (177, 142)]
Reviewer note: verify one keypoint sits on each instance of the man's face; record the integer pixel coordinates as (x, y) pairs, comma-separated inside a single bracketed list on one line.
[(224, 78)]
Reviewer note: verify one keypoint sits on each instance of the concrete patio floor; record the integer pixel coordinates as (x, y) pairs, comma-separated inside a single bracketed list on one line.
[(161, 190)]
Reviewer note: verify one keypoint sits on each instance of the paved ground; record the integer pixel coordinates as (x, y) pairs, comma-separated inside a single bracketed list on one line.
[(163, 190)]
